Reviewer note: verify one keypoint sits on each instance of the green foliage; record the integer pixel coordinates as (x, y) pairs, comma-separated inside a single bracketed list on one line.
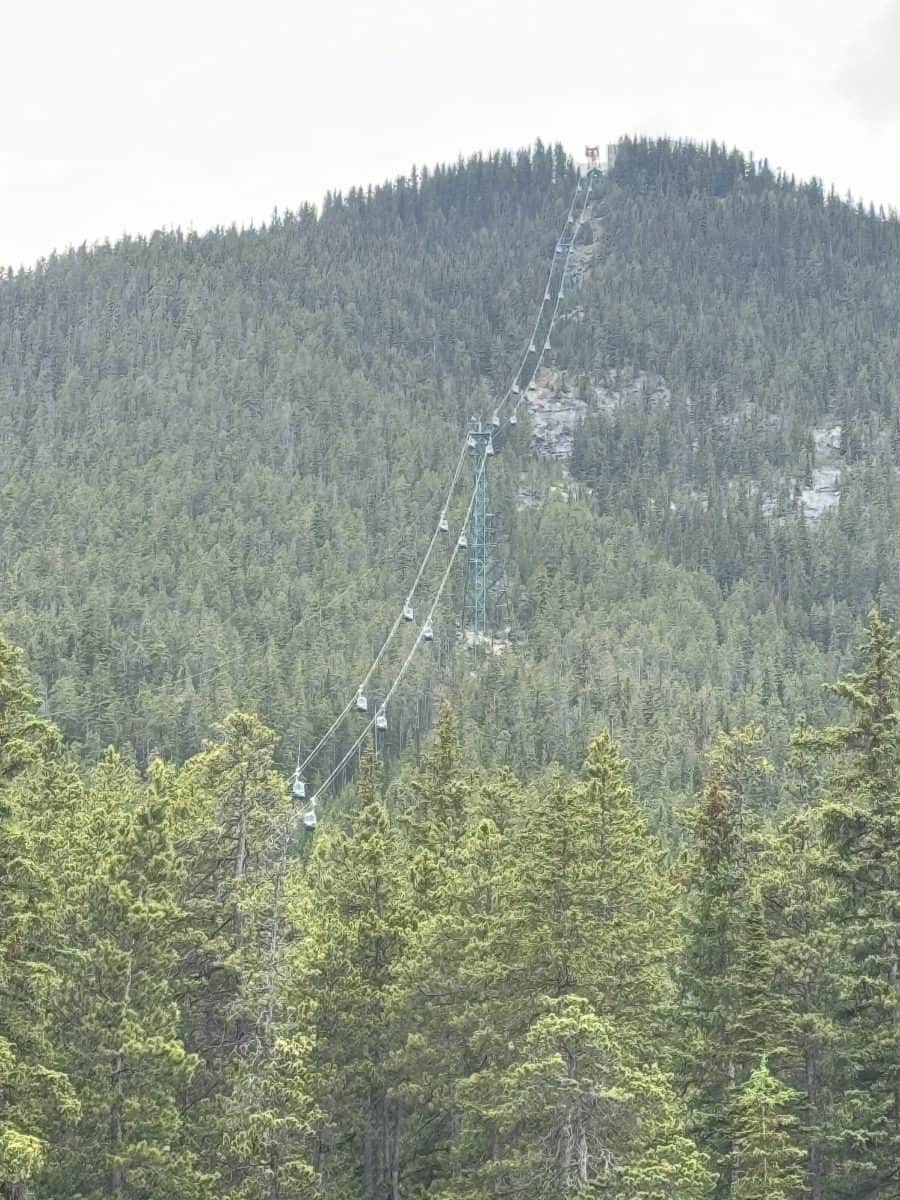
[(804, 955), (238, 442), (232, 808), (767, 1161), (534, 997), (36, 1098), (568, 1117), (119, 996), (270, 1121), (485, 975), (465, 992), (237, 446), (352, 918), (860, 822), (23, 734), (725, 1006)]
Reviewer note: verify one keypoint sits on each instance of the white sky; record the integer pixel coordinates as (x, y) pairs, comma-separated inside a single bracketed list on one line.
[(123, 115)]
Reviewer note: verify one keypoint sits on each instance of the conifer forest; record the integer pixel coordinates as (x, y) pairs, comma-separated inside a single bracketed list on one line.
[(611, 906)]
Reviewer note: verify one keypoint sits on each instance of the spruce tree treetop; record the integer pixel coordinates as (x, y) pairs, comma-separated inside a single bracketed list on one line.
[(768, 1165)]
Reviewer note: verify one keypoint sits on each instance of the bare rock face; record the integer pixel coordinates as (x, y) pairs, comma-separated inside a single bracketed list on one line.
[(556, 412), (824, 493), (582, 255), (826, 477), (489, 644), (528, 497), (828, 440), (557, 409)]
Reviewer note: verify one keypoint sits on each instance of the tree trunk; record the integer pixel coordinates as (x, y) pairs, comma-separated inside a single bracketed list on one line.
[(117, 1179), (816, 1181), (369, 1156), (896, 1020)]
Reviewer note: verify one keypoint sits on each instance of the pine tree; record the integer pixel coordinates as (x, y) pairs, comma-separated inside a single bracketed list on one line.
[(266, 1112), (36, 1098), (561, 917), (722, 1010), (662, 1162), (270, 1119), (767, 1160), (590, 908), (449, 996), (860, 824), (24, 736), (570, 1114), (352, 925), (759, 1019), (435, 811), (805, 956), (549, 1121), (232, 808), (117, 1014)]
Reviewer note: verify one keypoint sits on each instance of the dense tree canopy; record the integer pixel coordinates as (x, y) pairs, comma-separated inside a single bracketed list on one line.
[(223, 455), (467, 985), (613, 913)]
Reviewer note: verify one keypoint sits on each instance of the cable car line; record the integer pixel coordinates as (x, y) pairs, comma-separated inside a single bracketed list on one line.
[(406, 613), (406, 607), (559, 295), (513, 420), (531, 344), (307, 812), (373, 721)]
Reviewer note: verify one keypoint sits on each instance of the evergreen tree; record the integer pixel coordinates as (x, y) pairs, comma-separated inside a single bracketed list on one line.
[(449, 996), (590, 908), (759, 1022), (232, 808), (435, 813), (570, 896), (569, 1116), (805, 957), (767, 1161), (352, 926), (861, 837), (36, 1098), (117, 1014), (270, 1121), (724, 1009), (395, 1013)]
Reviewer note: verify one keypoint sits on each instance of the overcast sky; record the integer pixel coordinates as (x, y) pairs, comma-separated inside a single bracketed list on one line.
[(123, 115)]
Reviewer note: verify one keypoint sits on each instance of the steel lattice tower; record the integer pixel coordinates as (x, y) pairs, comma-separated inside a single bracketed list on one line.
[(478, 585)]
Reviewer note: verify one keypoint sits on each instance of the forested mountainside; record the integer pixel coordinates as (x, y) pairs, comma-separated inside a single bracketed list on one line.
[(228, 449), (623, 922), (222, 456)]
